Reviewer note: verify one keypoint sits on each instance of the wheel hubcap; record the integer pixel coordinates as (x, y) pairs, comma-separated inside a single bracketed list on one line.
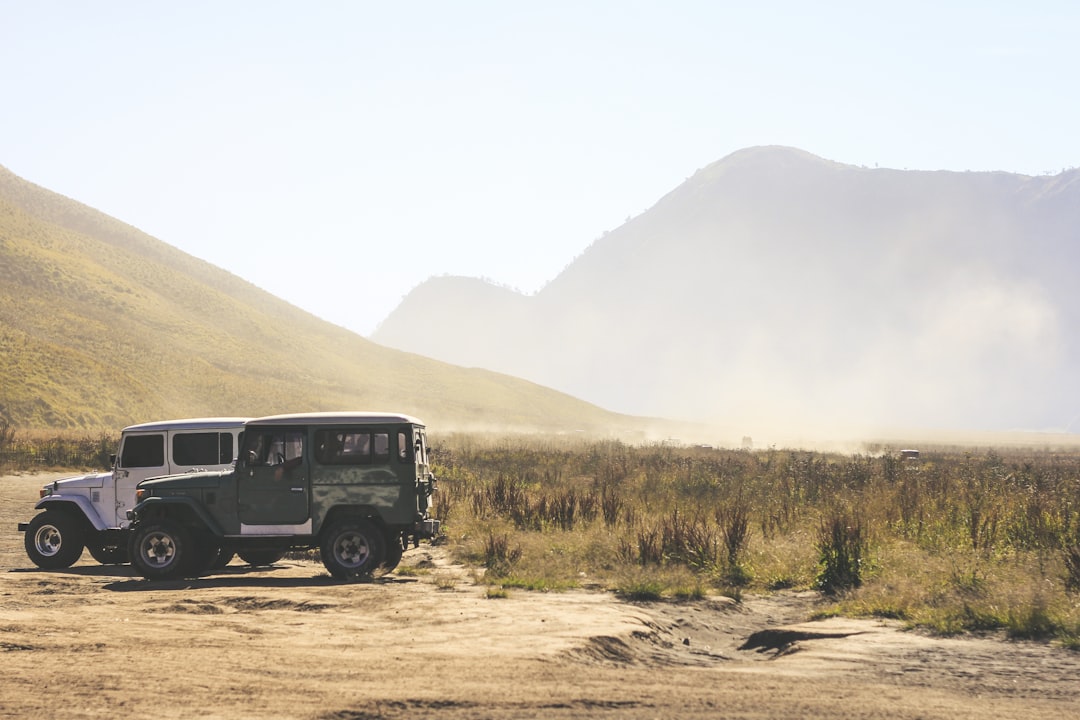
[(160, 550), (47, 541), (352, 550)]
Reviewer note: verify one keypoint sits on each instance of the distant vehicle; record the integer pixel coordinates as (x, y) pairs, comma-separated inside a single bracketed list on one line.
[(357, 486), (90, 511)]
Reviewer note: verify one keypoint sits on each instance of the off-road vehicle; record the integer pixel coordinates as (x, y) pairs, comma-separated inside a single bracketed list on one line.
[(357, 486), (90, 511)]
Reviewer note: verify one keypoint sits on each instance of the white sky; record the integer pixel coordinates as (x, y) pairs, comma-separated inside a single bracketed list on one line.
[(337, 154)]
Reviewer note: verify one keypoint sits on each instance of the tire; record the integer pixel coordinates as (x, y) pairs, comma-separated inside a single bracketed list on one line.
[(54, 540), (394, 551), (160, 550), (109, 554), (352, 548), (207, 556), (261, 556)]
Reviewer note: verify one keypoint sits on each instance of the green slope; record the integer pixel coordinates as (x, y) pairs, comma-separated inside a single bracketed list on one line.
[(102, 325)]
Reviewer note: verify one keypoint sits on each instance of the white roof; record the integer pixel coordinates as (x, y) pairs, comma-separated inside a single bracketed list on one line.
[(214, 423)]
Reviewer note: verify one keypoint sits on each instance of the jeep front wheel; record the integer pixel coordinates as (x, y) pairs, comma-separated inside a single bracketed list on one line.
[(207, 558), (159, 550), (54, 540), (352, 549)]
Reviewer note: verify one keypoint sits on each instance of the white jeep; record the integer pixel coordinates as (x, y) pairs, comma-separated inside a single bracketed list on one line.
[(90, 511)]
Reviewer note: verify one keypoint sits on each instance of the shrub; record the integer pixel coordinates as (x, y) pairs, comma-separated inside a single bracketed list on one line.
[(1071, 555), (734, 521), (641, 590), (499, 556), (841, 546)]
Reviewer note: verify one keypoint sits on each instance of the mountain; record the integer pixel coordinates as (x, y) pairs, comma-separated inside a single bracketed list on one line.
[(102, 326), (776, 289)]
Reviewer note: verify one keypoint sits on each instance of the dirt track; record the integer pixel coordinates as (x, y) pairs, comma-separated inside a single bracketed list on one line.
[(286, 642)]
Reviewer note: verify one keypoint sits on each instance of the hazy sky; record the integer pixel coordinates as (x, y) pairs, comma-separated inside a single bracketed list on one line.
[(337, 154)]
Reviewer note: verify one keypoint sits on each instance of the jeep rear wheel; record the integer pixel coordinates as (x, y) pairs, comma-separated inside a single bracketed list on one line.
[(159, 550), (394, 550), (352, 549), (54, 540)]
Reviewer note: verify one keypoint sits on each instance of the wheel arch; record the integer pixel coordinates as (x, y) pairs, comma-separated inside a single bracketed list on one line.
[(76, 506), (181, 510), (361, 512)]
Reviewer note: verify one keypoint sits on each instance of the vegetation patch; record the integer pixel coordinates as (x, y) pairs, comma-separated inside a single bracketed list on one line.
[(956, 541)]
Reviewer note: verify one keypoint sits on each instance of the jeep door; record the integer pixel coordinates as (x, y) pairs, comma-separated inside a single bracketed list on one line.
[(142, 455), (273, 485)]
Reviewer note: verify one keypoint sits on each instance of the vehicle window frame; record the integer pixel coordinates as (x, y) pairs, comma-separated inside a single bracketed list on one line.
[(352, 446), (222, 447), (139, 443)]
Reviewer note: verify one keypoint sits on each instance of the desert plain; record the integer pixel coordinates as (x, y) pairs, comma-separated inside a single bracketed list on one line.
[(286, 641)]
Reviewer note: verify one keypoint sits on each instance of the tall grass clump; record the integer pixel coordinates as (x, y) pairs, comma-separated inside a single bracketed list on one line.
[(841, 546), (1071, 559), (733, 521), (500, 555)]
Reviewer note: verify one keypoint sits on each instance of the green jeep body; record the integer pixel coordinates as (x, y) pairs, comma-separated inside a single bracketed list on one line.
[(357, 486)]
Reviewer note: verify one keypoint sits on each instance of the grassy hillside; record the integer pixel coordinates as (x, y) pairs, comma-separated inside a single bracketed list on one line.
[(102, 325)]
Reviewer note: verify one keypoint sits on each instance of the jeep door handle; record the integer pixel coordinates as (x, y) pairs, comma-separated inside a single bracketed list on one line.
[(297, 489)]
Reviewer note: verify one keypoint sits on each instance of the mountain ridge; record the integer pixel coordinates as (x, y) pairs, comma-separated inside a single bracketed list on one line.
[(776, 287)]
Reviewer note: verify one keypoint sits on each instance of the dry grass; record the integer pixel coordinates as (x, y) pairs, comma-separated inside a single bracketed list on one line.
[(43, 450), (959, 541)]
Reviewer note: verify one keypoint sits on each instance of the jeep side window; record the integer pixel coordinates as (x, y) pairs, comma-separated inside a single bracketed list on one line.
[(351, 447), (209, 448), (403, 446), (357, 447), (225, 449), (273, 447), (381, 446), (421, 448), (256, 448), (328, 444), (143, 451)]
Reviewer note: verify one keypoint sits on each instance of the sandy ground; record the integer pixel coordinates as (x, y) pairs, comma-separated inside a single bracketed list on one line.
[(286, 642)]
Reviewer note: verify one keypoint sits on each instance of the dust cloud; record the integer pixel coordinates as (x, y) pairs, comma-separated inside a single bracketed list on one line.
[(779, 294)]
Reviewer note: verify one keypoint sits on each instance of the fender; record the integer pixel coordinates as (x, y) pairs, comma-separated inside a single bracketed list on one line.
[(169, 505), (80, 501)]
